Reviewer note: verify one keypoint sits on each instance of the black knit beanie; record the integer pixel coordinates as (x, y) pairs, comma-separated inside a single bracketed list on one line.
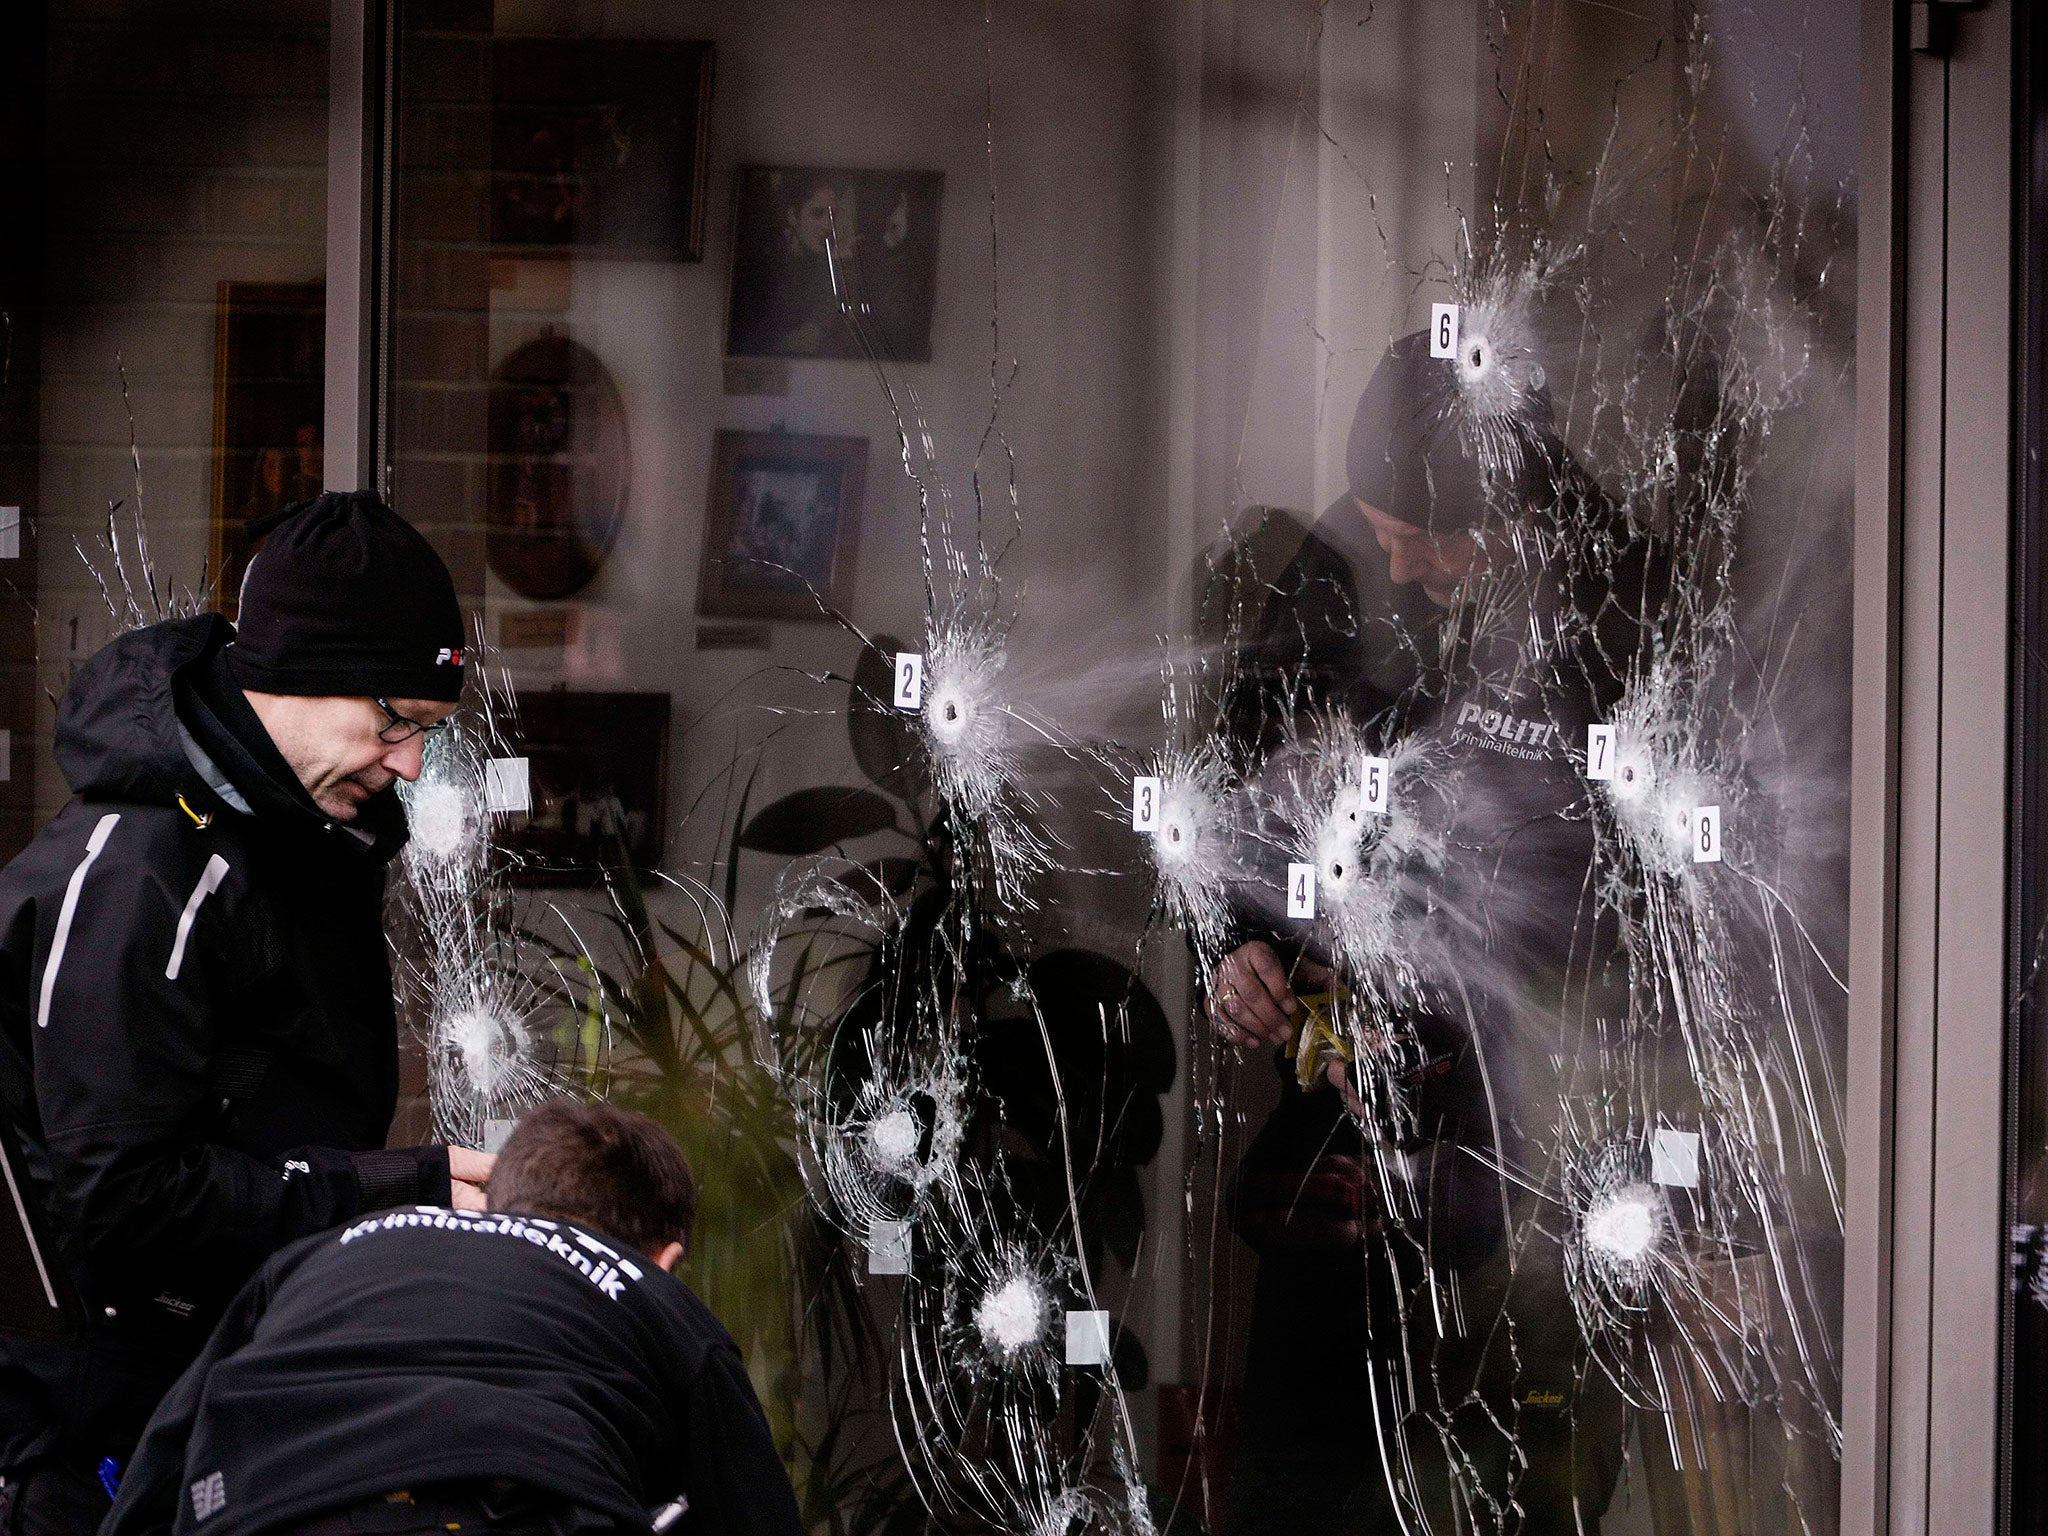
[(1411, 456), (346, 598)]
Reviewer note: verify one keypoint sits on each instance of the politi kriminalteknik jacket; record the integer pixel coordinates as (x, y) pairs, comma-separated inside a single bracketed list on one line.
[(198, 1046), (429, 1346)]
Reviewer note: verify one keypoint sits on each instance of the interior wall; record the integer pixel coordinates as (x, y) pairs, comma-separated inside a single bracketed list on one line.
[(1077, 161)]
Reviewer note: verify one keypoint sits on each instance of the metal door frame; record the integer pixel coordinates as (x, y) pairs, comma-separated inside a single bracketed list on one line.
[(1928, 962)]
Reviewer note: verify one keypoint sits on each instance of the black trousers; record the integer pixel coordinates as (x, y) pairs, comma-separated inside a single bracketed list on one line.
[(468, 1509), (54, 1499)]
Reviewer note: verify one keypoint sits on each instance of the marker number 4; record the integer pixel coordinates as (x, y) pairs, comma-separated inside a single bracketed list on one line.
[(1301, 890)]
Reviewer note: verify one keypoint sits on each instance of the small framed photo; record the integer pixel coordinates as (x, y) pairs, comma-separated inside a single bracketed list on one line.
[(884, 230), (600, 145), (783, 525), (269, 395), (597, 764)]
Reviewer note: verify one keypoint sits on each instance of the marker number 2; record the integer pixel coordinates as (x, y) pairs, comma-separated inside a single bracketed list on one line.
[(909, 680)]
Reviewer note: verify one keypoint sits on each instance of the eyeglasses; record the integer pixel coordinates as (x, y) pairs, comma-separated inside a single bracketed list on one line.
[(403, 728)]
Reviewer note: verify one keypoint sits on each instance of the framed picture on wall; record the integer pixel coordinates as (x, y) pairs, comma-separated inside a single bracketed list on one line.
[(600, 145), (269, 397), (884, 228), (597, 763), (783, 525), (560, 466)]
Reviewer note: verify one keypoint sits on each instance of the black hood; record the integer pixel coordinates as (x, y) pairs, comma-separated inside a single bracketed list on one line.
[(118, 738)]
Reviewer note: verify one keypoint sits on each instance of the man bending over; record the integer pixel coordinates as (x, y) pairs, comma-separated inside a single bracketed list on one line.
[(533, 1369)]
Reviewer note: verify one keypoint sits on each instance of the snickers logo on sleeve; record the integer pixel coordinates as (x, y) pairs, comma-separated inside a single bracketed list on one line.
[(209, 1496)]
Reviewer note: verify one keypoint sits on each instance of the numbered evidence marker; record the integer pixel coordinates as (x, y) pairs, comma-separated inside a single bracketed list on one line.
[(909, 680), (507, 785), (889, 1248), (1600, 752), (1087, 1338), (1675, 1158), (1443, 330), (1144, 805), (1374, 783), (1301, 890), (1706, 834)]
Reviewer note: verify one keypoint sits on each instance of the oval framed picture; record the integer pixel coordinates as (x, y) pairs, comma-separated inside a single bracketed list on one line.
[(559, 468)]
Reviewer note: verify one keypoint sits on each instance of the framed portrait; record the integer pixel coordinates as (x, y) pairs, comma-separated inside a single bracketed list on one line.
[(596, 763), (269, 399), (560, 466), (600, 145), (884, 230), (783, 525)]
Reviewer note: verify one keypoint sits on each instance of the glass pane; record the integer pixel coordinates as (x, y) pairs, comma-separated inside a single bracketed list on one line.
[(1180, 686), (2025, 1479), (161, 278), (164, 303)]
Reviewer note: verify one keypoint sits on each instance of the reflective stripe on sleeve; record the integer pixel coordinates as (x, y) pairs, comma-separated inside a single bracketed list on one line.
[(93, 845), (216, 871)]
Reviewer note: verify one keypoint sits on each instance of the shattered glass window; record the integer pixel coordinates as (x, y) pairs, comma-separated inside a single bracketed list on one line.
[(1174, 680)]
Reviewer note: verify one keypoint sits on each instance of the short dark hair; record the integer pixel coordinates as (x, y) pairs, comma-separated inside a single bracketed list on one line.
[(600, 1166)]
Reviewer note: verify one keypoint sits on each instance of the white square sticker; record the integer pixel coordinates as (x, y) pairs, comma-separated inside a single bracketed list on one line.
[(1375, 783), (1706, 834), (1301, 890), (1675, 1158), (1087, 1338), (507, 786), (889, 1248), (909, 680), (1443, 330), (10, 533), (1600, 752), (1144, 805)]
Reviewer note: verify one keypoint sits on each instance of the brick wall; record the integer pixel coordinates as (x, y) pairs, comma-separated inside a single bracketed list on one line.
[(185, 144), (21, 281), (441, 341)]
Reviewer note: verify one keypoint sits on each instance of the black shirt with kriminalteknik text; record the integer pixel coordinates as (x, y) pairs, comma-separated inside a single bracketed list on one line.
[(426, 1346)]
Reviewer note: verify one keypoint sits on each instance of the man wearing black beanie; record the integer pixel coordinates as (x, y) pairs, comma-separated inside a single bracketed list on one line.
[(198, 1045)]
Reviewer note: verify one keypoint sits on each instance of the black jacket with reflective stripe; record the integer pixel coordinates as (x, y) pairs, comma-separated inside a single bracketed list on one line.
[(427, 1346), (198, 1047)]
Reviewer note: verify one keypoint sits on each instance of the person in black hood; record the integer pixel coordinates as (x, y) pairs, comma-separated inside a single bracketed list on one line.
[(1475, 596), (198, 1043), (536, 1371)]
